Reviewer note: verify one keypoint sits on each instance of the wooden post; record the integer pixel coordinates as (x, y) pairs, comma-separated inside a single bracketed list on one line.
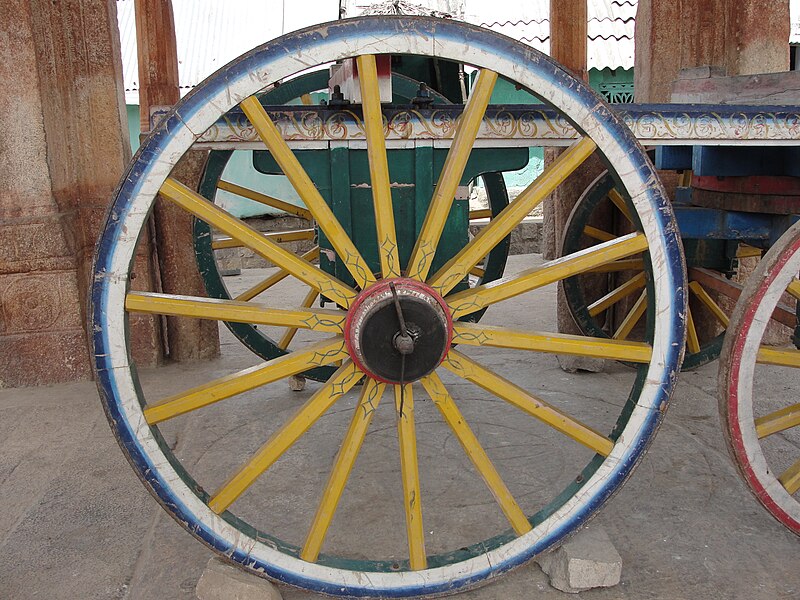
[(187, 339), (568, 40), (568, 34), (157, 53)]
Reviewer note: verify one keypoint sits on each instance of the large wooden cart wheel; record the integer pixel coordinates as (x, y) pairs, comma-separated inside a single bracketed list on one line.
[(611, 301), (396, 328), (209, 246), (758, 383)]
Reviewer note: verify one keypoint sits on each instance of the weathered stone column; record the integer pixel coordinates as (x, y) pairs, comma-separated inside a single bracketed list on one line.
[(740, 36), (187, 339), (64, 150)]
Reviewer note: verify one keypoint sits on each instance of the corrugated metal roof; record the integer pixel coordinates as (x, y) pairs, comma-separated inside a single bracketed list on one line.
[(610, 27), (211, 33)]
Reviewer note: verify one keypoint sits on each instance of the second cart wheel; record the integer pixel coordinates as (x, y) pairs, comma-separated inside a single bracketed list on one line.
[(758, 382), (611, 301), (396, 327)]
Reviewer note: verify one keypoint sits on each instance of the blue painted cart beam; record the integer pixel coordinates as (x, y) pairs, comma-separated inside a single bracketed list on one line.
[(713, 224)]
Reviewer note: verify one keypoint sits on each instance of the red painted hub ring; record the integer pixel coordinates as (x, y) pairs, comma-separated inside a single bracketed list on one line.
[(382, 288)]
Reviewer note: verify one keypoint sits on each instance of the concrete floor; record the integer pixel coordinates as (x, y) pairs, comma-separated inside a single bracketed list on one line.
[(77, 523)]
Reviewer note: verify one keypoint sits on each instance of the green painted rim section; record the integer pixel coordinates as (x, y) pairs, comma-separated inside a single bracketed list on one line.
[(404, 88), (574, 289)]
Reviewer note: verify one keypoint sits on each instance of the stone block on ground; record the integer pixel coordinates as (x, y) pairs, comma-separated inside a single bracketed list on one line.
[(573, 364), (222, 581), (587, 560)]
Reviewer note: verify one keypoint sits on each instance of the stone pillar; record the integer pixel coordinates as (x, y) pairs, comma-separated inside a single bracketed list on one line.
[(740, 36), (64, 150), (187, 339), (759, 30)]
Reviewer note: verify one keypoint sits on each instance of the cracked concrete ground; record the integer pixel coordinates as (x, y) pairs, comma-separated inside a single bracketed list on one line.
[(77, 523)]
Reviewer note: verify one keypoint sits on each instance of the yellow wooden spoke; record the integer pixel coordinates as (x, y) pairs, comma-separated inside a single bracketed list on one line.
[(630, 264), (302, 183), (722, 285), (790, 479), (620, 203), (501, 226), (337, 386), (244, 192), (497, 230), (477, 455), (623, 291), (632, 318), (274, 236), (780, 420), (282, 274), (477, 271), (493, 383), (716, 282), (475, 334), (472, 300), (315, 319), (450, 177), (287, 338), (409, 469), (316, 355), (746, 251), (480, 213), (704, 297), (343, 465), (692, 341), (794, 289), (378, 165), (598, 234), (216, 217), (775, 356)]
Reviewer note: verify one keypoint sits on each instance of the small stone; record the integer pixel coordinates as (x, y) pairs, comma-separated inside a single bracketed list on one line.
[(297, 383), (588, 560), (222, 581), (573, 364)]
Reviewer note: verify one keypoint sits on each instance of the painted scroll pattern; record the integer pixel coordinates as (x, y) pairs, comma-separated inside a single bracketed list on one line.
[(527, 125)]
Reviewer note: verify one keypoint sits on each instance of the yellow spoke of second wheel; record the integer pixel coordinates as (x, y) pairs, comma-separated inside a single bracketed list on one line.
[(288, 336), (335, 388), (277, 277), (378, 166), (212, 214), (306, 189), (500, 226), (473, 300)]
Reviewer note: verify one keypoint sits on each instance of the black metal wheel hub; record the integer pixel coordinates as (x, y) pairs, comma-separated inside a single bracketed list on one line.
[(398, 330)]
